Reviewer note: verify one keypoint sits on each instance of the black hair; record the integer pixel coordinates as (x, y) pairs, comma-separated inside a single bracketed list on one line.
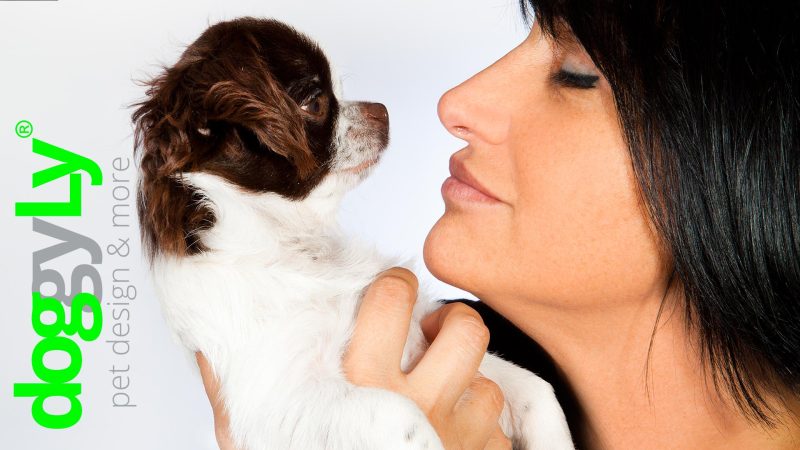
[(708, 97)]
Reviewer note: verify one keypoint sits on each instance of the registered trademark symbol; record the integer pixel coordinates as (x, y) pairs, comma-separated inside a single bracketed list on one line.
[(24, 129)]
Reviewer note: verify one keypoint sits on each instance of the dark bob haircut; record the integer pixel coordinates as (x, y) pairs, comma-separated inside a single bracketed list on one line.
[(708, 97)]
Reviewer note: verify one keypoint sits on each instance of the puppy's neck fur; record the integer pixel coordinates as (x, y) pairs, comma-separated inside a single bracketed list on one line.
[(249, 223)]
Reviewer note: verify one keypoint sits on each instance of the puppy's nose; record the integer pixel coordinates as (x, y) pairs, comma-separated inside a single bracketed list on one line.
[(375, 111)]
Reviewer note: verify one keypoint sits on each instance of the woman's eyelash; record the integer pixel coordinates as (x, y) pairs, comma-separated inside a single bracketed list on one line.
[(575, 80)]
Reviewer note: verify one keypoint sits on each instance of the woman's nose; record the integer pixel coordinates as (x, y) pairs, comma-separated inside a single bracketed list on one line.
[(474, 110), (452, 113)]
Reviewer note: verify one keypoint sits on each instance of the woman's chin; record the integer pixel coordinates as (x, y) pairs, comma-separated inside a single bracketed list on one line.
[(445, 256)]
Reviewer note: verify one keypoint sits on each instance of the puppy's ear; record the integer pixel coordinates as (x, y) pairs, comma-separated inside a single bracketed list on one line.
[(171, 213), (253, 99)]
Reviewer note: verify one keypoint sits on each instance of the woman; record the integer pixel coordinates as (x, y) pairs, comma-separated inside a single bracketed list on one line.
[(639, 220)]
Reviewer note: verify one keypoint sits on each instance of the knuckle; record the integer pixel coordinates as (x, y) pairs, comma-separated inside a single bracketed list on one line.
[(400, 271), (459, 308), (471, 325), (392, 287), (497, 397), (491, 393)]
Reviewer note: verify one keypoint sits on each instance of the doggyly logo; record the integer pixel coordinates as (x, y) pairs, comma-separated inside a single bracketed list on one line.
[(63, 316)]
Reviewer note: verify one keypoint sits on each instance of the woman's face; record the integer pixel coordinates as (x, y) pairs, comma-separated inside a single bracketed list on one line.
[(542, 136)]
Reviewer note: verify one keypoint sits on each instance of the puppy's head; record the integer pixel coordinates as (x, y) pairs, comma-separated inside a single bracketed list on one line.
[(252, 102)]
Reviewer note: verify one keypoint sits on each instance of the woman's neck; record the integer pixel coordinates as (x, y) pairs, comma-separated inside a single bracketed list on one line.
[(627, 402)]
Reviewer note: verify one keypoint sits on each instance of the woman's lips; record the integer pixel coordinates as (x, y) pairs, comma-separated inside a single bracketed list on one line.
[(462, 185), (455, 189)]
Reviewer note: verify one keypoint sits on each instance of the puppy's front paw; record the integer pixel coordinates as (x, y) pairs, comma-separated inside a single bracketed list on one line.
[(532, 418), (539, 420), (381, 419)]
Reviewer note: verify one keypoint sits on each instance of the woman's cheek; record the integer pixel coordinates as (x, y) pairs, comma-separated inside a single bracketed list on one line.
[(580, 233)]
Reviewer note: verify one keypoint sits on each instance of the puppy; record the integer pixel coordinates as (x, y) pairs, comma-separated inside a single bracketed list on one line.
[(245, 153)]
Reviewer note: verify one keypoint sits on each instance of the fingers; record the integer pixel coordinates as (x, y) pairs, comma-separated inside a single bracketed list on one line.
[(381, 330), (221, 421), (449, 365), (210, 382), (498, 441), (479, 409)]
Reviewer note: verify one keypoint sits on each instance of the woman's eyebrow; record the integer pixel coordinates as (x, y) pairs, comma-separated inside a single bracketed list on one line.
[(565, 38), (564, 41), (560, 34)]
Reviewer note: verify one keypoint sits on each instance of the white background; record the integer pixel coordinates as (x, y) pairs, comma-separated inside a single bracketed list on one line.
[(68, 67)]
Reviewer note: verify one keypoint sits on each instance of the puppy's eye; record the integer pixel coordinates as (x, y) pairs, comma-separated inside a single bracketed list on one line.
[(315, 105), (312, 106)]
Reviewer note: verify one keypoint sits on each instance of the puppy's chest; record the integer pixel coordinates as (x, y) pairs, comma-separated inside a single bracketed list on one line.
[(314, 324), (297, 298), (297, 293), (312, 283)]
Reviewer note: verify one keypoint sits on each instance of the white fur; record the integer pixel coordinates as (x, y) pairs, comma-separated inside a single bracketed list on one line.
[(272, 303)]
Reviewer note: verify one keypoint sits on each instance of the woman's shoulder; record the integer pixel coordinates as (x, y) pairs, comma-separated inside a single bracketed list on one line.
[(512, 344)]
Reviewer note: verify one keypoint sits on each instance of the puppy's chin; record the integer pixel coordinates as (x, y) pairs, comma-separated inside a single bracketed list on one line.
[(350, 177)]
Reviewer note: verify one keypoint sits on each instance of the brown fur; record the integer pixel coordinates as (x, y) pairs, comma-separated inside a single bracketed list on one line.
[(242, 81)]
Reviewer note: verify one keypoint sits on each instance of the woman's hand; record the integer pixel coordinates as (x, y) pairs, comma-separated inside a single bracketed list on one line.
[(462, 405), (220, 416)]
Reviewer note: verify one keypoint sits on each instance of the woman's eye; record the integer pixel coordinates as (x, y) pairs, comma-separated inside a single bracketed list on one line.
[(575, 80)]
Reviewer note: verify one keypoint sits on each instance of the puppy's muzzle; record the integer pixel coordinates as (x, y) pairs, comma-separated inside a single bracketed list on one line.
[(376, 113)]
